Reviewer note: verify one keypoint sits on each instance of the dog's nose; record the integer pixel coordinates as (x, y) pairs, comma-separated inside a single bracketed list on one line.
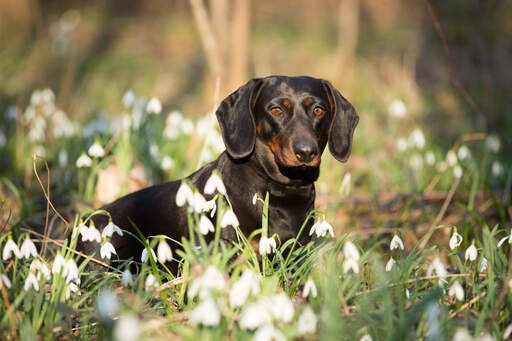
[(305, 151)]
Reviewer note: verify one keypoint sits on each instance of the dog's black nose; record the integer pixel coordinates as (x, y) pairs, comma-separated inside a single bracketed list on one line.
[(305, 151)]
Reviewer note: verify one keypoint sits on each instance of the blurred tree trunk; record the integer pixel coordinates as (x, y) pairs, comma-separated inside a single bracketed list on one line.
[(239, 44), (348, 32)]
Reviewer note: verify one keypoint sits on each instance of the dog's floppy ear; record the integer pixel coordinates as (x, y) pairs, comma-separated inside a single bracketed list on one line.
[(236, 119), (343, 124)]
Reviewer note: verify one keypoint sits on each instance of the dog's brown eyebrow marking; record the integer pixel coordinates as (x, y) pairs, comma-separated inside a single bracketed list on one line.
[(308, 101), (287, 103)]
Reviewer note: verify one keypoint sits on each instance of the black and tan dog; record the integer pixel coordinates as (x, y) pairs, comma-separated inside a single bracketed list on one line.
[(275, 130)]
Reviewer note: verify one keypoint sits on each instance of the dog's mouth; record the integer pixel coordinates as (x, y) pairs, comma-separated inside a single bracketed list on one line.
[(303, 173)]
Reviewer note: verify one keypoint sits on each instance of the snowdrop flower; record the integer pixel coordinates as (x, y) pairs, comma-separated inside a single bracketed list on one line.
[(455, 240), (107, 305), (154, 106), (107, 249), (457, 291), (211, 279), (31, 281), (109, 230), (71, 287), (10, 248), (248, 283), (440, 270), (457, 171), (127, 328), (432, 322), (407, 294), (255, 198), (397, 108), (345, 184), (401, 144), (255, 315), (309, 287), (463, 152), (63, 158), (430, 158), (83, 161), (128, 98), (151, 281), (483, 265), (496, 168), (267, 245), (471, 253), (229, 218), (96, 150), (493, 144), (127, 278), (58, 264), (396, 243), (184, 195), (144, 255), (167, 163), (5, 280), (502, 240), (366, 337), (507, 332), (198, 202), (94, 234), (205, 225), (461, 334), (206, 314), (389, 264), (164, 252), (84, 231), (281, 308), (40, 268), (213, 184), (70, 270), (350, 250), (350, 264), (451, 158), (417, 138), (320, 228), (268, 332), (307, 321)]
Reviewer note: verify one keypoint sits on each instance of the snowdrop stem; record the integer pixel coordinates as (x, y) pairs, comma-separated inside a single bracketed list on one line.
[(220, 214), (264, 231), (191, 225), (301, 230)]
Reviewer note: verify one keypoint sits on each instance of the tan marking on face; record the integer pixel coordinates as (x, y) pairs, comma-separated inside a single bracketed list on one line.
[(287, 104), (258, 129), (308, 101), (286, 156)]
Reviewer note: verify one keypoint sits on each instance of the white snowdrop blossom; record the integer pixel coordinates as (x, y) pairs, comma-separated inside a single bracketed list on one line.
[(255, 198), (127, 328), (397, 108), (351, 261), (71, 287), (463, 152), (229, 218), (461, 334), (58, 264), (457, 171), (151, 281), (389, 264), (164, 252), (321, 228), (455, 240), (210, 206), (5, 280), (350, 264), (309, 287), (281, 308), (83, 161), (10, 248), (248, 283), (504, 239), (184, 195), (496, 168), (96, 150), (211, 279), (40, 268), (268, 332), (267, 245), (154, 106), (94, 234), (31, 281), (28, 249), (401, 144), (107, 305), (70, 270), (109, 230), (107, 250), (345, 184), (430, 158), (451, 158), (396, 243), (440, 270), (483, 265), (493, 144), (507, 332), (128, 98), (167, 163), (307, 321), (255, 315), (214, 183), (417, 138), (127, 278), (144, 255), (471, 253), (207, 313), (457, 291), (366, 337), (205, 225)]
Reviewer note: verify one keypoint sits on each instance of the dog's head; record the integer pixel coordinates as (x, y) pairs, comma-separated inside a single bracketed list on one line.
[(287, 122)]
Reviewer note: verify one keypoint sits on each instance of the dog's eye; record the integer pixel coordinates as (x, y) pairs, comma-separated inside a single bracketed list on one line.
[(276, 111), (318, 111)]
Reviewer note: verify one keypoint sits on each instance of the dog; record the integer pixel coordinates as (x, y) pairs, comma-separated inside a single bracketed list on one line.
[(275, 130)]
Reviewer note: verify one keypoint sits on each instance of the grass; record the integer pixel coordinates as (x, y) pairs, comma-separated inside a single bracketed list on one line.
[(228, 291)]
